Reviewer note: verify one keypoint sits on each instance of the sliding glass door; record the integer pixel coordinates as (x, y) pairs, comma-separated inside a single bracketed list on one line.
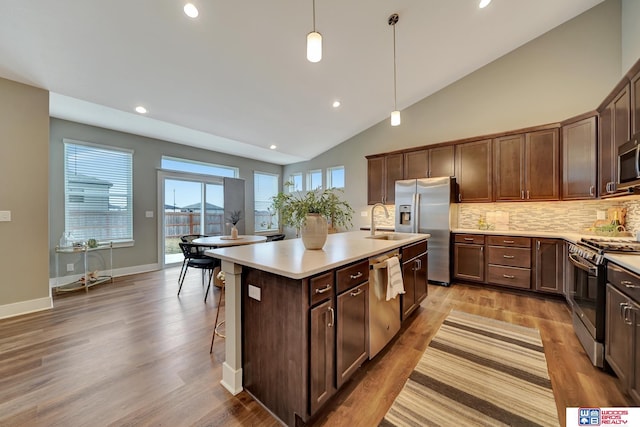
[(191, 204)]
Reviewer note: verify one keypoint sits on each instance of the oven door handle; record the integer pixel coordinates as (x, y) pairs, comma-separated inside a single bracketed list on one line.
[(589, 269)]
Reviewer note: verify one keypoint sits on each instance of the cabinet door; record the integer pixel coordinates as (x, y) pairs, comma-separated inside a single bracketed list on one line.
[(509, 168), (441, 161), (617, 337), (416, 164), (549, 265), (408, 299), (474, 171), (352, 331), (579, 160), (394, 166), (542, 165), (468, 262), (634, 386), (635, 104), (321, 355), (421, 278), (614, 131), (375, 180)]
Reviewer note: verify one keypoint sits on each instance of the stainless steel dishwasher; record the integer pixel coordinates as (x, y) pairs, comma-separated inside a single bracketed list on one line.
[(384, 316)]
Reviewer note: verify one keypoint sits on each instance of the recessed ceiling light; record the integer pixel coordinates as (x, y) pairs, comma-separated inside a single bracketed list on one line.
[(140, 109), (484, 3), (273, 146), (190, 10), (336, 104)]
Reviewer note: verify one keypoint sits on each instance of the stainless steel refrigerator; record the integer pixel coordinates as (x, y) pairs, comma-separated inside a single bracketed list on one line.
[(427, 205)]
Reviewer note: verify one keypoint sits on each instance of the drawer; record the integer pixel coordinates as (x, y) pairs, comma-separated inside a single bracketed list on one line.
[(352, 275), (513, 257), (625, 281), (509, 276), (519, 242), (321, 287), (477, 239), (412, 251)]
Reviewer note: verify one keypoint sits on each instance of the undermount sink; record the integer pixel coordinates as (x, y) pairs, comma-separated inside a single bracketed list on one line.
[(389, 236)]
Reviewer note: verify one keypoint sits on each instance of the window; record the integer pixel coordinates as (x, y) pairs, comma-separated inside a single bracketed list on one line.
[(296, 180), (183, 165), (335, 177), (98, 192), (265, 187), (314, 180)]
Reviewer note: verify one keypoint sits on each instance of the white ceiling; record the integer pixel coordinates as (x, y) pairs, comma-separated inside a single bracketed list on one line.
[(236, 79)]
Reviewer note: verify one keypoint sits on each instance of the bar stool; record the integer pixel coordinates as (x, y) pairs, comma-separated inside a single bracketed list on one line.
[(219, 276)]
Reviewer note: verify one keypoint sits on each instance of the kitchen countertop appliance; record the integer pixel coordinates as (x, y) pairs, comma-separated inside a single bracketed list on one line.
[(426, 205), (586, 290)]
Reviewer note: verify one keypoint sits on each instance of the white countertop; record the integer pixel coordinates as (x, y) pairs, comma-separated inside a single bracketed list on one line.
[(289, 258)]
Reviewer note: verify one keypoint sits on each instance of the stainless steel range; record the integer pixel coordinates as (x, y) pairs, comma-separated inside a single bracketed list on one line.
[(586, 290)]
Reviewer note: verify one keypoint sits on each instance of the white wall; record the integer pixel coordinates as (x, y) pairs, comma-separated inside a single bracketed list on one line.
[(630, 33)]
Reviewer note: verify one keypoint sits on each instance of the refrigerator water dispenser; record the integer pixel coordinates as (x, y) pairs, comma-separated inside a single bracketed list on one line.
[(405, 214)]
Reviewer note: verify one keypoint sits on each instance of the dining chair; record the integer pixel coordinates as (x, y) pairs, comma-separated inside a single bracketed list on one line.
[(194, 257), (275, 237)]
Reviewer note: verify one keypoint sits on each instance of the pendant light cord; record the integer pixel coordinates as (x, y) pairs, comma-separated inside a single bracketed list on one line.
[(314, 16), (395, 103)]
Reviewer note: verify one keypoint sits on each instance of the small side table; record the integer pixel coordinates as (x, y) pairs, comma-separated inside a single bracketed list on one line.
[(87, 279)]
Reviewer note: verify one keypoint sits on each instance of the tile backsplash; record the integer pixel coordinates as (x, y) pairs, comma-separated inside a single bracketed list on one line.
[(571, 216)]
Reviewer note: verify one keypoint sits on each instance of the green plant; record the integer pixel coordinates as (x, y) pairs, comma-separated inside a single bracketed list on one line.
[(293, 207), (234, 217)]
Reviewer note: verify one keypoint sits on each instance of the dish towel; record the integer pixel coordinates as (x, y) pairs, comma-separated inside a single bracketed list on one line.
[(395, 285)]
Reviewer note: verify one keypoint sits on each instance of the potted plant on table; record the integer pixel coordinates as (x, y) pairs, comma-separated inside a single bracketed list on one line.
[(234, 218), (309, 212)]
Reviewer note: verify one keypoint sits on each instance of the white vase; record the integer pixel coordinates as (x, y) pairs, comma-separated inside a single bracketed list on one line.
[(234, 232), (314, 231)]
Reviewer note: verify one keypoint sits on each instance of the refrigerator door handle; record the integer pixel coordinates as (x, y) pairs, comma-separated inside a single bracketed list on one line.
[(416, 213)]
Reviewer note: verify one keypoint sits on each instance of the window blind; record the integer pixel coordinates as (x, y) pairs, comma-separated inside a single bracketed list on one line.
[(98, 192)]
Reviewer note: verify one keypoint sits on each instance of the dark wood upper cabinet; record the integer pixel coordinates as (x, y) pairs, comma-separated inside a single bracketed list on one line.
[(635, 104), (474, 171), (430, 163), (614, 128), (542, 165), (509, 168), (382, 173), (579, 159), (442, 161)]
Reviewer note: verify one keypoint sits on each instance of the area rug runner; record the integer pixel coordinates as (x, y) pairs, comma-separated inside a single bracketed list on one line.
[(478, 372)]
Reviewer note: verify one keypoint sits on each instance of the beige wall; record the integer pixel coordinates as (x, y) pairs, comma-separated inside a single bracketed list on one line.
[(630, 33), (563, 73), (24, 173)]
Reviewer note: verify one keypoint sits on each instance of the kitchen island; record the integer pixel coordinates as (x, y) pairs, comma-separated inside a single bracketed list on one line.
[(280, 298)]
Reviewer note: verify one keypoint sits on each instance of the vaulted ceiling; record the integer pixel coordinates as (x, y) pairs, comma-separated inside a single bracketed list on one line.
[(236, 78)]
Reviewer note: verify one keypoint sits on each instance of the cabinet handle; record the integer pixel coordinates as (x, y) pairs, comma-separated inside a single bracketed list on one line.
[(629, 285), (538, 244), (592, 191), (623, 306), (509, 242), (506, 276), (468, 239), (522, 194), (459, 197), (333, 318), (356, 292), (356, 276), (323, 290), (528, 194), (509, 256), (481, 248), (627, 316)]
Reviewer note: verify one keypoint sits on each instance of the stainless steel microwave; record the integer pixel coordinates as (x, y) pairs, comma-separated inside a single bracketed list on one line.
[(629, 163)]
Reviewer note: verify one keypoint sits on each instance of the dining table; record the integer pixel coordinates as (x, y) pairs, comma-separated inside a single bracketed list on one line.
[(226, 241)]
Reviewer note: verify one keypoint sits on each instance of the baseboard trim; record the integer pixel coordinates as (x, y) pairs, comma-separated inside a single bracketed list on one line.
[(118, 272), (25, 307)]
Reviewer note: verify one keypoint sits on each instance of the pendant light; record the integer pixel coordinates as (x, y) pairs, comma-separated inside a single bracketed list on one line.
[(314, 41), (395, 114)]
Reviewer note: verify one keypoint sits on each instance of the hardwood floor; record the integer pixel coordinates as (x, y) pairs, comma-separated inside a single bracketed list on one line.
[(133, 353)]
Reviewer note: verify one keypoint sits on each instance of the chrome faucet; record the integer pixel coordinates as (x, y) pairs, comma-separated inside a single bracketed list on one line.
[(373, 222)]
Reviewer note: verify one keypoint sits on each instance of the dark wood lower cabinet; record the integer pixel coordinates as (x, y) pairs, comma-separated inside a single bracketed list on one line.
[(352, 340), (321, 349), (414, 275), (468, 262), (549, 264)]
